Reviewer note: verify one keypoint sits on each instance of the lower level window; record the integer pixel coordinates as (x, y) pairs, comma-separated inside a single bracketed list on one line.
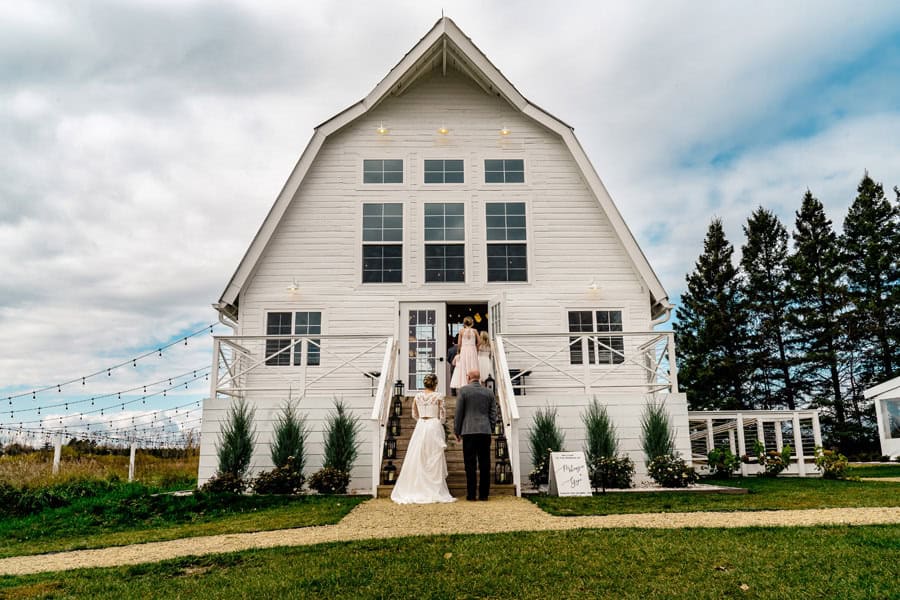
[(280, 352), (382, 263), (601, 349), (445, 262), (507, 262)]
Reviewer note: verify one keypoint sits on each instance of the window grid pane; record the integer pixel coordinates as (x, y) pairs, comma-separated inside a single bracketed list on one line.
[(507, 262), (383, 222), (505, 221), (304, 323), (444, 171), (445, 222), (504, 171), (382, 263), (383, 171), (445, 263)]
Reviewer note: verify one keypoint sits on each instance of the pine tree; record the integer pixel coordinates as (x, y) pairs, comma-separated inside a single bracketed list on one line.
[(871, 245), (235, 448), (712, 329), (764, 262), (819, 305), (289, 438)]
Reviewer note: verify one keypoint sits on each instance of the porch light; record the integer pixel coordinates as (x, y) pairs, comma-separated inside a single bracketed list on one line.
[(294, 287), (505, 131), (501, 450), (502, 472), (398, 388), (397, 407), (390, 447), (381, 129), (594, 286), (394, 425), (443, 130), (389, 474)]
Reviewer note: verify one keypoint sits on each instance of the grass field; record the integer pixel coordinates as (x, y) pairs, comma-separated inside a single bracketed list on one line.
[(883, 470), (35, 469), (816, 562), (129, 514), (784, 493)]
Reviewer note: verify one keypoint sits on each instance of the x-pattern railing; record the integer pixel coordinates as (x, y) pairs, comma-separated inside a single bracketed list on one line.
[(643, 360)]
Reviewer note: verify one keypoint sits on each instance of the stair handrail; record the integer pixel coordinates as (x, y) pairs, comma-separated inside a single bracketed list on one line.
[(509, 409), (381, 409)]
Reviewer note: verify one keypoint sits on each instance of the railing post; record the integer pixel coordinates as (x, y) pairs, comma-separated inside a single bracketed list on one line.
[(798, 444), (131, 461), (673, 366), (742, 443), (586, 359), (817, 430), (57, 453), (214, 373), (710, 436)]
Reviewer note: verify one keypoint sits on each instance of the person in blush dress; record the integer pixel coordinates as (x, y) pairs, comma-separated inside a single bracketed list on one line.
[(467, 357), (485, 362)]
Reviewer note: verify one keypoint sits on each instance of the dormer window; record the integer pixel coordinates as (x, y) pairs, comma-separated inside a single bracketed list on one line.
[(383, 171)]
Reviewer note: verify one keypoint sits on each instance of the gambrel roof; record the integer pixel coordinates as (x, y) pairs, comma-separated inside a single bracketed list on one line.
[(444, 46)]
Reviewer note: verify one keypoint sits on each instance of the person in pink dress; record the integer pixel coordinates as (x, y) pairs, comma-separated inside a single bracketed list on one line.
[(467, 357)]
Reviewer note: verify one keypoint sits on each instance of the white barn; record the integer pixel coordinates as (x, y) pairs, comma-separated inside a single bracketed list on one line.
[(443, 193), (886, 397)]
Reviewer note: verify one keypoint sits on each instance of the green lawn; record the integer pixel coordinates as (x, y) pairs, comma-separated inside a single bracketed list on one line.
[(815, 562), (884, 470), (764, 494), (125, 517)]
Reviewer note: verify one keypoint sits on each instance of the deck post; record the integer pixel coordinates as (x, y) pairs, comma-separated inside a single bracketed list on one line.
[(742, 443), (131, 461), (57, 453), (817, 430), (798, 446), (760, 431), (779, 439), (673, 366), (710, 436)]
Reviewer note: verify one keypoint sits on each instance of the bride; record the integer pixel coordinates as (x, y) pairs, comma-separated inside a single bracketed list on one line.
[(423, 476)]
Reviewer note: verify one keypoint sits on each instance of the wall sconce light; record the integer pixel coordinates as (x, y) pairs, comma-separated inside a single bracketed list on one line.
[(294, 287), (593, 286), (381, 129), (443, 130), (505, 131)]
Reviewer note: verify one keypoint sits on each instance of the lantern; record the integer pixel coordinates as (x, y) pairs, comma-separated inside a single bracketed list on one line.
[(502, 472), (389, 474), (390, 447), (501, 450), (498, 425), (397, 408), (490, 384), (398, 388), (394, 425)]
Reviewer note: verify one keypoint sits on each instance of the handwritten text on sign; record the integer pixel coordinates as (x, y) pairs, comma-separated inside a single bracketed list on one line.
[(569, 474)]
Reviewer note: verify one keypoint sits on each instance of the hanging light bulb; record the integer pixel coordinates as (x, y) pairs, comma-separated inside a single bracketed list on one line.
[(381, 129), (443, 130)]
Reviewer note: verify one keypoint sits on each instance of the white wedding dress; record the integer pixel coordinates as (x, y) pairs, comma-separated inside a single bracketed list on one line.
[(423, 475)]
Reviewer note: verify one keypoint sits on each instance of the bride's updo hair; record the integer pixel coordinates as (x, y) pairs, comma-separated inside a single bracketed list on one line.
[(430, 381), (468, 321)]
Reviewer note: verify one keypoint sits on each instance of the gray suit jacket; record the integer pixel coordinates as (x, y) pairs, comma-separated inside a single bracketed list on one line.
[(476, 410)]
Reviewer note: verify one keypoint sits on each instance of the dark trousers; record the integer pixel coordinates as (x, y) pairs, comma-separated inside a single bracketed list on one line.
[(477, 449)]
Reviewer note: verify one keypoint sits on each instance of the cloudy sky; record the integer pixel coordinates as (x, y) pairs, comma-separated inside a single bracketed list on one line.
[(143, 142)]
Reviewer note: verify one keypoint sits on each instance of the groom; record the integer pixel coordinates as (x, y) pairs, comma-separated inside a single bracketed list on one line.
[(476, 414)]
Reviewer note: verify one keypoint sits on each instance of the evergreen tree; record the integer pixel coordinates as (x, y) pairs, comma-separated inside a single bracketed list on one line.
[(871, 245), (289, 438), (236, 441), (764, 262), (818, 309), (712, 329)]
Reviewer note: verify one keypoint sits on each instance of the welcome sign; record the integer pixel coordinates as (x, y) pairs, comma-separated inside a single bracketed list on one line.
[(569, 474)]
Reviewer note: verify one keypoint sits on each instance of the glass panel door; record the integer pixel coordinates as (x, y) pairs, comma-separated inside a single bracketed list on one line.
[(424, 346)]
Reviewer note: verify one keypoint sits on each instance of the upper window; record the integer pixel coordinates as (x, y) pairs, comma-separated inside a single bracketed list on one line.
[(507, 251), (280, 352), (504, 171), (445, 236), (383, 171), (382, 260), (443, 171), (601, 349)]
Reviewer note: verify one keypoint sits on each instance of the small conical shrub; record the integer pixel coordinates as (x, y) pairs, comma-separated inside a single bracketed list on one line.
[(234, 450), (657, 437), (289, 439), (341, 438), (601, 439), (544, 438)]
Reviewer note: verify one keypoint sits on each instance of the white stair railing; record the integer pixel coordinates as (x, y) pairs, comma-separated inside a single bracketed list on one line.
[(509, 409), (381, 409)]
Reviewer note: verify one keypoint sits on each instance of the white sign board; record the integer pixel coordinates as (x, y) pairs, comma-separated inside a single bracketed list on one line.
[(569, 474)]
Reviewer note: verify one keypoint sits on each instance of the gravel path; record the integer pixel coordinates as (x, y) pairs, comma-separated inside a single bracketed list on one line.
[(381, 518)]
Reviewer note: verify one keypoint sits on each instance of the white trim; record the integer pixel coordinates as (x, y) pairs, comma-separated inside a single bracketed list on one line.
[(490, 79)]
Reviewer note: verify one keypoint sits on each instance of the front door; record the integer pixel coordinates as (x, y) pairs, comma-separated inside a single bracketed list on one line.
[(424, 346)]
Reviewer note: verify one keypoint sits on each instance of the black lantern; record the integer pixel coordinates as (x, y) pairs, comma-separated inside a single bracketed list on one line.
[(490, 384), (502, 472), (498, 425), (398, 388), (501, 450), (394, 425), (390, 447), (397, 407), (389, 474)]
